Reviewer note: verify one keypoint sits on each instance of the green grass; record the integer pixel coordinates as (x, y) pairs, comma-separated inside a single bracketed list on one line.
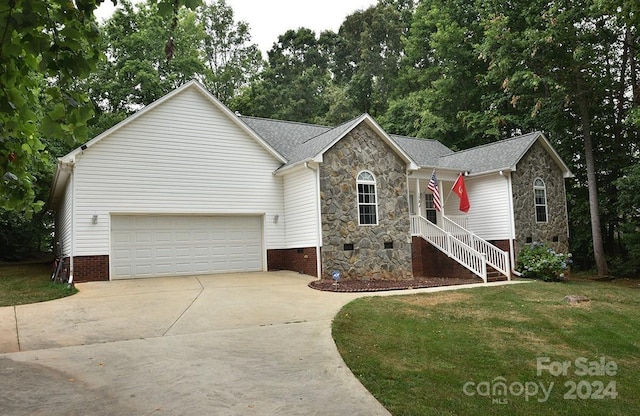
[(29, 283), (416, 353)]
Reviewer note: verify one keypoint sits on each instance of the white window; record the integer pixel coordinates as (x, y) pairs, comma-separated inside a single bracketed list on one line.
[(367, 199), (412, 208), (540, 200), (430, 208)]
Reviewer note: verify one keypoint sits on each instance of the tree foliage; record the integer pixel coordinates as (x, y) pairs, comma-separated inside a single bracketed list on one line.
[(293, 84), (140, 67), (44, 46)]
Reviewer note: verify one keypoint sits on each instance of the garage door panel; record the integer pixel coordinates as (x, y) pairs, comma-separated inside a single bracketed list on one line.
[(183, 237), (163, 236), (164, 253), (182, 252), (146, 246), (164, 268)]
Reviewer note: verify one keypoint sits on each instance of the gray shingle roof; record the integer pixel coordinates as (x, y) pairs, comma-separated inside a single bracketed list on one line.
[(315, 145), (284, 136), (495, 156), (301, 141), (425, 152)]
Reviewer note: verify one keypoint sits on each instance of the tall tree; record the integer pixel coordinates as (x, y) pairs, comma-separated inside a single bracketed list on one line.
[(229, 57), (137, 69), (568, 53), (140, 66), (293, 83), (367, 57), (438, 84)]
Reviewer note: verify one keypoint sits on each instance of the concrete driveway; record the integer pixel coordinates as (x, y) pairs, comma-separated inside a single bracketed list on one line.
[(237, 344)]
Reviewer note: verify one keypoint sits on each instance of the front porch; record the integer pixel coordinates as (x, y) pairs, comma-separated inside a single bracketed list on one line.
[(455, 251)]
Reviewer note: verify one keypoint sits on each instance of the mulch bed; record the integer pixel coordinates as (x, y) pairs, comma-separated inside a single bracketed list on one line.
[(378, 285)]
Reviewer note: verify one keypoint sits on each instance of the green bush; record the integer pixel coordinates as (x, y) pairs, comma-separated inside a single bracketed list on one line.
[(538, 261)]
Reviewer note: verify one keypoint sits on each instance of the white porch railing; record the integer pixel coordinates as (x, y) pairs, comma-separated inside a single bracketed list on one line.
[(464, 254), (496, 258), (461, 220)]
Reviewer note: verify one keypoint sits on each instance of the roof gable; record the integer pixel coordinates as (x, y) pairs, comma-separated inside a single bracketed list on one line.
[(500, 155), (190, 85), (313, 148), (63, 171)]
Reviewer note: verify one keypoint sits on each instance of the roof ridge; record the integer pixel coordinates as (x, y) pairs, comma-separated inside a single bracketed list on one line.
[(421, 139), (330, 129), (493, 143), (285, 121)]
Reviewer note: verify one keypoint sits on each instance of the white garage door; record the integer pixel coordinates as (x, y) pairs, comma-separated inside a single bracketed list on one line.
[(163, 245)]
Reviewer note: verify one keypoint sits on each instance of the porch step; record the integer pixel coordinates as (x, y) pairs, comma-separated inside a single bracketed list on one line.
[(495, 276)]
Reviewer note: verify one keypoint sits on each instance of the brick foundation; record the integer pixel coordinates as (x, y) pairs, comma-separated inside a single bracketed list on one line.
[(88, 268), (502, 245), (302, 260), (96, 268), (428, 261)]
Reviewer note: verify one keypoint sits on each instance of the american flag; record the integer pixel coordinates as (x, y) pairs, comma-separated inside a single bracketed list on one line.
[(433, 187)]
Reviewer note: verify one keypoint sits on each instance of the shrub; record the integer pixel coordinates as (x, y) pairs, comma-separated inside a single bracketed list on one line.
[(538, 261)]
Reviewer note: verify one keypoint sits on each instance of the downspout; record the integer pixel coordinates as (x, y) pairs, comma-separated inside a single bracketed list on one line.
[(318, 220), (71, 166)]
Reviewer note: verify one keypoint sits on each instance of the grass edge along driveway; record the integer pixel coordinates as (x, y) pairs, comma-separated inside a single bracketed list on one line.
[(508, 350), (21, 284)]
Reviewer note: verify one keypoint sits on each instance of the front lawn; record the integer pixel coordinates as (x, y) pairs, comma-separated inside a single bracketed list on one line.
[(29, 283), (509, 350)]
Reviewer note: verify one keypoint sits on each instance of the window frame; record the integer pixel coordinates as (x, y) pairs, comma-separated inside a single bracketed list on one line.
[(539, 186), (369, 188), (430, 211)]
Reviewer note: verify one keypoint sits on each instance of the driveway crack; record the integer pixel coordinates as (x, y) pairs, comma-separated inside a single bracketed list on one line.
[(187, 308), (15, 319)]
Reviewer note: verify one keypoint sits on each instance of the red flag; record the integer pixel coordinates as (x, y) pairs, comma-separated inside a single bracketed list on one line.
[(460, 190)]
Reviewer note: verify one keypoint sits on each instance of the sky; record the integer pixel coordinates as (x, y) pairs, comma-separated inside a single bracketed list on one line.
[(270, 18)]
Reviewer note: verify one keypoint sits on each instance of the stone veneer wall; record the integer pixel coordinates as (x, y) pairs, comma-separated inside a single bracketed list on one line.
[(537, 163), (362, 149)]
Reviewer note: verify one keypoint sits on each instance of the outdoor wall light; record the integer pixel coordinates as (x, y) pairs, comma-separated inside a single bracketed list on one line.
[(276, 218), (94, 219)]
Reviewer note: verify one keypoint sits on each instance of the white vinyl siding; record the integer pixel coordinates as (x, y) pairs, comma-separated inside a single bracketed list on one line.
[(300, 208), (489, 216), (185, 156)]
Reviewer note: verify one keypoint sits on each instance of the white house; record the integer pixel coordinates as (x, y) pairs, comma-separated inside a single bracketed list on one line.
[(187, 187)]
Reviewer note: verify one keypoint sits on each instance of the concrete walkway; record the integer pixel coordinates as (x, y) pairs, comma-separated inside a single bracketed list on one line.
[(237, 344)]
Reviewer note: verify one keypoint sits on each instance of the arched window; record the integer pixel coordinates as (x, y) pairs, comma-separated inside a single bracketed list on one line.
[(367, 199), (540, 197)]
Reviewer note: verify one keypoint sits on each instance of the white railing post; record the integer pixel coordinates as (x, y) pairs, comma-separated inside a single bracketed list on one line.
[(484, 267)]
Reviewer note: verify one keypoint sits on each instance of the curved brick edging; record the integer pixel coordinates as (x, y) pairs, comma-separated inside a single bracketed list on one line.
[(356, 286)]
